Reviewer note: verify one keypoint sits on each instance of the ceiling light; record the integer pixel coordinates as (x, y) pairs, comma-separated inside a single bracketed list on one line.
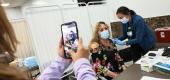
[(39, 2), (5, 4)]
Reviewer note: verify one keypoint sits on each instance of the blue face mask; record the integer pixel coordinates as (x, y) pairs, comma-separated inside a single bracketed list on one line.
[(124, 20), (104, 34)]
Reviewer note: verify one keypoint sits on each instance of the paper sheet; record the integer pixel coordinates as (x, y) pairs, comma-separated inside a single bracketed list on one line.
[(158, 53)]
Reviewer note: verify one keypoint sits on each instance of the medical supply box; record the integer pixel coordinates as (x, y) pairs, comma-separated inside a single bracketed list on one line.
[(163, 35)]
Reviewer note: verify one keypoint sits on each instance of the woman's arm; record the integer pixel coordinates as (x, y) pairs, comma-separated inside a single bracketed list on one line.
[(82, 67), (83, 70), (55, 70)]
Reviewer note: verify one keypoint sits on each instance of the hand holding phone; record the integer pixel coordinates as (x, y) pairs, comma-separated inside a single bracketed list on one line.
[(70, 37), (81, 52)]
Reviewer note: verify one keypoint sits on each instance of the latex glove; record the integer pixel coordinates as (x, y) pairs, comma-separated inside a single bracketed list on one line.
[(119, 42), (114, 40)]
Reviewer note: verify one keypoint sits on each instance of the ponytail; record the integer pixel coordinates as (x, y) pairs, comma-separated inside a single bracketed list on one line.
[(132, 12)]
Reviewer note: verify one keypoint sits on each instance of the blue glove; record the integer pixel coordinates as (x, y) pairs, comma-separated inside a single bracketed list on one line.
[(119, 42), (114, 40)]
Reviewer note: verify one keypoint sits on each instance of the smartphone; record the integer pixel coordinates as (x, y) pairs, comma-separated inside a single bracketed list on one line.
[(70, 37)]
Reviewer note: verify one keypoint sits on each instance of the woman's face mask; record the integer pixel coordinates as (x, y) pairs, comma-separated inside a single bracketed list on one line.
[(124, 20), (105, 34)]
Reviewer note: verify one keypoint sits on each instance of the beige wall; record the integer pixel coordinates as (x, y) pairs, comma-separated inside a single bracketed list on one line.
[(24, 48)]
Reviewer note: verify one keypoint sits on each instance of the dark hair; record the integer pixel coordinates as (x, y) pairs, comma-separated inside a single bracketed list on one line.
[(124, 10)]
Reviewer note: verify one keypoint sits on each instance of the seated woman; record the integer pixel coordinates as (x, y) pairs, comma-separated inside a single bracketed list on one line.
[(105, 59)]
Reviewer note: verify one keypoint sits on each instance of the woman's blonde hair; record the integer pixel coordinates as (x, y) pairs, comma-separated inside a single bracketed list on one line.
[(96, 36), (8, 39)]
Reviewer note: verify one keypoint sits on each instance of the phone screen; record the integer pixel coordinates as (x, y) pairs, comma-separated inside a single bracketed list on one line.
[(70, 37)]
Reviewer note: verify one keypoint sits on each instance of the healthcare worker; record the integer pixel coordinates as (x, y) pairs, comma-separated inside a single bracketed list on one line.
[(140, 37)]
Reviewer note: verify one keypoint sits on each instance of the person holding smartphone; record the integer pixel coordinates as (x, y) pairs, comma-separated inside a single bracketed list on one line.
[(8, 43), (82, 67), (74, 52)]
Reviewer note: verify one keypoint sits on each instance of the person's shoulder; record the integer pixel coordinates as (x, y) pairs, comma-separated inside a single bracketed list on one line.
[(137, 17)]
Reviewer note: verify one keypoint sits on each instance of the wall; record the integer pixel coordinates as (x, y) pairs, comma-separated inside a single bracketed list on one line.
[(44, 27), (48, 2), (14, 13), (24, 48), (145, 8), (60, 2)]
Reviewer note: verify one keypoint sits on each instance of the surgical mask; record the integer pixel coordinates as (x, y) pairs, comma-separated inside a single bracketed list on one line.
[(104, 34), (124, 20)]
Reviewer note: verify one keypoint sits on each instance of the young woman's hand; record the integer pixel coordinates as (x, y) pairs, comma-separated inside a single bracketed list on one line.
[(81, 52), (61, 48)]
